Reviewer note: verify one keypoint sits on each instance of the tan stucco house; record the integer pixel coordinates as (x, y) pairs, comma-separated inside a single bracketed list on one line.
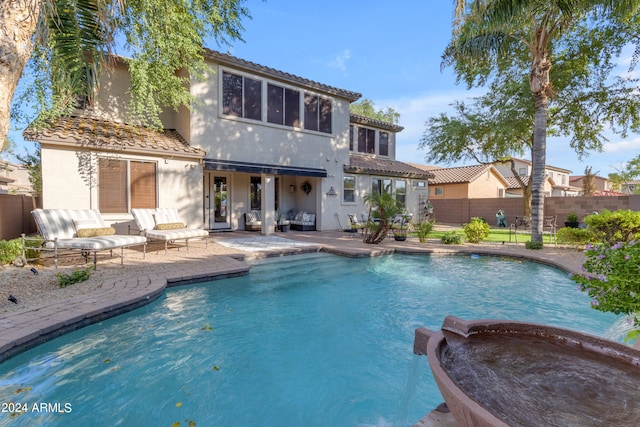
[(465, 182), (256, 139)]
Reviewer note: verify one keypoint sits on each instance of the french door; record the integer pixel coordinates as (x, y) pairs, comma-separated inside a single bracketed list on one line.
[(217, 201)]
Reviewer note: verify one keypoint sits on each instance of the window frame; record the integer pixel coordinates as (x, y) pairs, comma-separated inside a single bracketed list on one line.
[(129, 192), (242, 108), (349, 191)]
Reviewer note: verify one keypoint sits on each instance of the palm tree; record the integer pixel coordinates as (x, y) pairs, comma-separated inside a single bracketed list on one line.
[(493, 35), (384, 206)]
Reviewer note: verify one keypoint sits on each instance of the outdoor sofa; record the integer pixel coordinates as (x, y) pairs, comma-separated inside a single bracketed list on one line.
[(164, 224), (83, 230), (304, 221)]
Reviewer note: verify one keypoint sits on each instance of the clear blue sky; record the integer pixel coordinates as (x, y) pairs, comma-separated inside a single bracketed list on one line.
[(390, 53)]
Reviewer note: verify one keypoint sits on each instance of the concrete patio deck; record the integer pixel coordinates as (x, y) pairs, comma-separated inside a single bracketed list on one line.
[(142, 281)]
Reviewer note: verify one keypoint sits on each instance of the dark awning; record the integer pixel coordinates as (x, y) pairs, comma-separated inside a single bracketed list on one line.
[(226, 165)]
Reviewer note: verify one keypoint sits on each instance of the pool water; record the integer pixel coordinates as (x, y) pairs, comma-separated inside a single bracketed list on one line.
[(314, 340)]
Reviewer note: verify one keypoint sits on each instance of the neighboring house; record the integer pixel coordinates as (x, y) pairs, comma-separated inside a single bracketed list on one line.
[(514, 189), (14, 179), (255, 139), (603, 187), (631, 187), (559, 177), (466, 182)]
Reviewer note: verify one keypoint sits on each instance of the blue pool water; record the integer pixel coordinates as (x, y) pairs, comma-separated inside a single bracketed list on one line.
[(314, 340)]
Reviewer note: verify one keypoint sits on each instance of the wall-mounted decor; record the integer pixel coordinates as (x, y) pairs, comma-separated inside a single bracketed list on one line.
[(306, 187)]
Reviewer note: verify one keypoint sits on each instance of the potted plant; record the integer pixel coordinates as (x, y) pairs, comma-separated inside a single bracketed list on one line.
[(428, 208), (572, 220)]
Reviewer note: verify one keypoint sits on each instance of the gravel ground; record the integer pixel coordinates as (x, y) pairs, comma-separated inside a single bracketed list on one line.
[(32, 290)]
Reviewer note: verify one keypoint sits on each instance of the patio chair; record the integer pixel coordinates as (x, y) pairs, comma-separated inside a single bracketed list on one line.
[(164, 224), (520, 223), (356, 225), (550, 227)]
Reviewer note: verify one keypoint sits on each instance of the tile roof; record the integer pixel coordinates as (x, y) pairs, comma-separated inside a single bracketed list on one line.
[(107, 135), (359, 163), (458, 174), (367, 121), (242, 64), (512, 182), (518, 159)]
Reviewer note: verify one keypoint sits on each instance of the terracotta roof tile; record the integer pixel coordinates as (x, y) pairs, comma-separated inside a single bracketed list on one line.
[(513, 182), (360, 163), (108, 135), (356, 118), (457, 174)]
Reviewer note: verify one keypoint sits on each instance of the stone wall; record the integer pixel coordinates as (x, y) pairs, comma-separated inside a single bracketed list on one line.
[(15, 216), (460, 211)]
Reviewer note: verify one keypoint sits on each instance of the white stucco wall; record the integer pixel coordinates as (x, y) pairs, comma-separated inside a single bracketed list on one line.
[(70, 177)]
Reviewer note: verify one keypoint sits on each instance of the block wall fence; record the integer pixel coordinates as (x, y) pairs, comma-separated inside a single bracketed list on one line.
[(460, 211)]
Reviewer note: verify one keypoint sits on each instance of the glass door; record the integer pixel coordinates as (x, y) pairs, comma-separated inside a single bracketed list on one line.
[(217, 201)]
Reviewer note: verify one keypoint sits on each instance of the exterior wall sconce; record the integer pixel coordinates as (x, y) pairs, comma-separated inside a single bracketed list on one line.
[(332, 192), (292, 189)]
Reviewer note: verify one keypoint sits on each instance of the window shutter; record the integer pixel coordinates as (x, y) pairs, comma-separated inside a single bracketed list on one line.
[(143, 185), (112, 186)]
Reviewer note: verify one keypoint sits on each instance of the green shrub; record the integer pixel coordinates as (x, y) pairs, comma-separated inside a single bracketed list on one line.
[(76, 276), (423, 229), (451, 238), (9, 250), (574, 236), (613, 227), (533, 245), (476, 230)]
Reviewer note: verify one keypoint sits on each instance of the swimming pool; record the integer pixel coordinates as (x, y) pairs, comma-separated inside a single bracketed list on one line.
[(315, 340)]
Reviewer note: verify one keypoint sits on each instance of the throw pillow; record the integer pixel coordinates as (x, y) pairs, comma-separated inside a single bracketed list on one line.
[(95, 232), (79, 224), (169, 226), (162, 218)]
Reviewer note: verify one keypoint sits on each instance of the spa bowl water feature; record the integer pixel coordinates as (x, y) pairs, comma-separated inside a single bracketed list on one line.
[(504, 373)]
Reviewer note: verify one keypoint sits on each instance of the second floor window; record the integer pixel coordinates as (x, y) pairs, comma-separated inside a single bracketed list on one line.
[(383, 144), (241, 96), (366, 141), (283, 106), (317, 113)]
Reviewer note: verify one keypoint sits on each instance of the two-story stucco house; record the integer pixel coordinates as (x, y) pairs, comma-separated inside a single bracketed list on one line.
[(556, 184), (255, 139)]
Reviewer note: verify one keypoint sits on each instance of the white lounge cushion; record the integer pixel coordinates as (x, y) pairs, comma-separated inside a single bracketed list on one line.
[(101, 243), (177, 234)]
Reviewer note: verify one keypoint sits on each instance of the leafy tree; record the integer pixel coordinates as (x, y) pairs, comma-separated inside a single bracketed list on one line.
[(629, 173), (589, 182), (32, 163), (367, 108), (65, 45), (527, 37)]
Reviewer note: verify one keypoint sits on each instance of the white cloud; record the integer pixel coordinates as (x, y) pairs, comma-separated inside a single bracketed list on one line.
[(340, 60), (414, 112), (622, 146)]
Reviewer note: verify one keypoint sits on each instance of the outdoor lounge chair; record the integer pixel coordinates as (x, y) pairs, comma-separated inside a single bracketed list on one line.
[(83, 230), (164, 224)]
